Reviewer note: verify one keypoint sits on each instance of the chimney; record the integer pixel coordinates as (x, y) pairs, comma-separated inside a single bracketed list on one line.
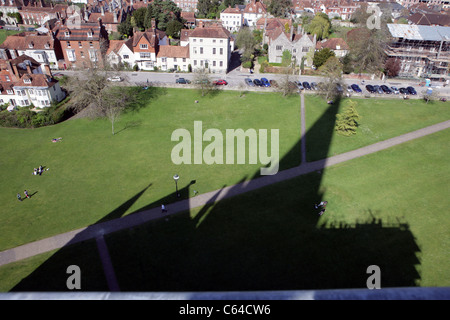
[(291, 34), (200, 24), (29, 69), (115, 14), (48, 71), (102, 11), (15, 71), (153, 24)]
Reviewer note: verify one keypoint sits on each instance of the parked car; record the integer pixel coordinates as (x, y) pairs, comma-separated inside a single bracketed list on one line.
[(314, 86), (378, 89), (412, 90), (395, 90), (293, 85), (339, 88), (273, 83), (257, 82), (370, 88), (349, 89), (115, 79), (204, 81), (299, 85), (386, 89), (249, 82), (403, 91), (265, 82), (356, 88), (220, 82), (182, 81), (306, 85)]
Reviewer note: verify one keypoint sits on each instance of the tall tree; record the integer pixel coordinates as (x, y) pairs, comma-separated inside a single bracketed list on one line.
[(321, 56), (246, 42), (392, 67), (332, 72), (320, 25), (280, 8)]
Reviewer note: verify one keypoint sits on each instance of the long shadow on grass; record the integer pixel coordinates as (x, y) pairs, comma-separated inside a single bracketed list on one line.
[(270, 237)]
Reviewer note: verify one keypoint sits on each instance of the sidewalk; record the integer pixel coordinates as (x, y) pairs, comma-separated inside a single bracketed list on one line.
[(94, 231)]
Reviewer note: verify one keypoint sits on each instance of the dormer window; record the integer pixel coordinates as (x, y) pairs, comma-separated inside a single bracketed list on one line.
[(67, 33), (47, 46), (27, 80), (9, 92), (90, 34), (31, 44)]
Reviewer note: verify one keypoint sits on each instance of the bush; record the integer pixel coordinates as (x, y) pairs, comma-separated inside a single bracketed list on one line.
[(247, 64)]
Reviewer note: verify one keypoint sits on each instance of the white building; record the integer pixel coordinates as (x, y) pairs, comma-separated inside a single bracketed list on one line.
[(210, 47), (253, 12), (23, 83), (173, 57), (232, 19)]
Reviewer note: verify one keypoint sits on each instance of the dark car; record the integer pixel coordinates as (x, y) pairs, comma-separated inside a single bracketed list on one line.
[(411, 90), (386, 89), (370, 88), (257, 82), (306, 85), (403, 91), (265, 82), (378, 89), (249, 82), (220, 82), (299, 85), (314, 86), (339, 88), (273, 83), (182, 81), (356, 88)]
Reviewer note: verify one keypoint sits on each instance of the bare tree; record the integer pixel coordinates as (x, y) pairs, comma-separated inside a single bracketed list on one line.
[(332, 87), (95, 93), (202, 81)]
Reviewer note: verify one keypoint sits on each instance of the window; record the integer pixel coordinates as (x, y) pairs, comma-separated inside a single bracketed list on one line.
[(7, 78), (214, 63), (26, 102), (174, 59), (195, 62), (305, 49), (201, 50), (221, 50), (30, 91), (90, 34), (82, 54), (145, 55), (79, 44), (125, 56), (26, 80), (184, 59), (68, 44), (221, 63), (91, 45), (143, 46), (9, 92), (214, 50), (164, 60), (279, 48), (67, 34)]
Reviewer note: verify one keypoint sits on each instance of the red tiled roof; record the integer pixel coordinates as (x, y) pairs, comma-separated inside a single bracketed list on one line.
[(173, 51)]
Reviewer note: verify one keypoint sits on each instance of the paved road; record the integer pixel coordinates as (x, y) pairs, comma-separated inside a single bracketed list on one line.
[(98, 230), (236, 78)]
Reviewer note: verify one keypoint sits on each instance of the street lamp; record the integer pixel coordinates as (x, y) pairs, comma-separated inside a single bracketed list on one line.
[(176, 177)]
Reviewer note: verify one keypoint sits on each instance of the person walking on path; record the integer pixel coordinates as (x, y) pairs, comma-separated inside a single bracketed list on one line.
[(163, 208), (26, 194), (19, 197)]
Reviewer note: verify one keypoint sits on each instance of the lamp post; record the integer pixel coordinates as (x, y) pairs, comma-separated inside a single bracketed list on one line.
[(176, 177)]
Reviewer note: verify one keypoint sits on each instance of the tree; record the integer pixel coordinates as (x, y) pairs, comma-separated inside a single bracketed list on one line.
[(286, 58), (126, 28), (392, 67), (139, 18), (202, 81), (173, 28), (347, 64), (367, 48), (208, 8), (332, 72), (320, 25), (246, 42), (347, 121), (280, 8), (91, 91), (430, 94), (321, 56)]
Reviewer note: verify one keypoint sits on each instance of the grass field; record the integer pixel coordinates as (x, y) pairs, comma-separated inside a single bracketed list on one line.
[(92, 173), (5, 33)]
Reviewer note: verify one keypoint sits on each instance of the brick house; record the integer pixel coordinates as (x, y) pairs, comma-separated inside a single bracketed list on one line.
[(83, 47), (146, 45)]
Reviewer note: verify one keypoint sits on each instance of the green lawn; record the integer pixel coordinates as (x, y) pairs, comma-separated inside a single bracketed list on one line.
[(5, 33), (92, 174), (386, 209)]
